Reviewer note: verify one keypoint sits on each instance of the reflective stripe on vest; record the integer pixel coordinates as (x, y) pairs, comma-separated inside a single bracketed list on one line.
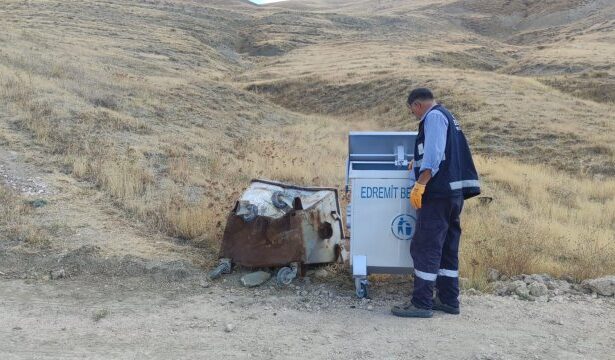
[(456, 185)]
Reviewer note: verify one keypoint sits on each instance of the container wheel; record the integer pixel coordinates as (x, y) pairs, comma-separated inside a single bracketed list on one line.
[(253, 213), (278, 200), (361, 288), (285, 276), (224, 267)]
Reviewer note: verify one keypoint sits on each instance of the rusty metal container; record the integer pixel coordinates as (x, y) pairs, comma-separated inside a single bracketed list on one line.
[(275, 224)]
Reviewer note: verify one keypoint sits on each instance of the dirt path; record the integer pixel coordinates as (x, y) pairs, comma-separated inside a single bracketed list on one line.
[(58, 321)]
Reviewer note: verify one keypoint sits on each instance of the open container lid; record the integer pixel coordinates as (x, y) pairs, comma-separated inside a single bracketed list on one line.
[(377, 151)]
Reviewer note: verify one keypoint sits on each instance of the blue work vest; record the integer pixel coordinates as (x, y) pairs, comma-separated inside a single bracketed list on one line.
[(456, 174)]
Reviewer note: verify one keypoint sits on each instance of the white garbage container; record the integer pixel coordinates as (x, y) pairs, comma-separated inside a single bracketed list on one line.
[(382, 221)]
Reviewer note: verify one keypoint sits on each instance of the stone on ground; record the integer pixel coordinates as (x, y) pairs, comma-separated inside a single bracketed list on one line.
[(604, 286), (255, 279), (538, 289)]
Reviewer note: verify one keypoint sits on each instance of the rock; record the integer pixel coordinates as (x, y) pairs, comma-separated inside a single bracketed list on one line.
[(472, 292), (204, 283), (537, 289), (562, 285), (513, 286), (493, 275), (541, 278), (100, 314), (321, 273), (501, 288), (520, 289), (303, 293), (552, 285), (604, 286), (255, 279), (57, 274), (229, 328), (370, 308), (37, 203)]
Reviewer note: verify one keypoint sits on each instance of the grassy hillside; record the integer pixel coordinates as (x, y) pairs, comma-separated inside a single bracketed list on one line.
[(169, 108)]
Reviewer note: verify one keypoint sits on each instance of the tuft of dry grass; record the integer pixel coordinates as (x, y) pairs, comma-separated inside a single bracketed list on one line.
[(190, 221), (179, 169), (15, 226)]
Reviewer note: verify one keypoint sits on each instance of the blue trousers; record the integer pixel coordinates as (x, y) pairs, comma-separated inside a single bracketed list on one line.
[(434, 250)]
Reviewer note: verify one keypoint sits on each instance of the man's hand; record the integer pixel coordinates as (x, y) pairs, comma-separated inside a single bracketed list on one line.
[(411, 165), (416, 196)]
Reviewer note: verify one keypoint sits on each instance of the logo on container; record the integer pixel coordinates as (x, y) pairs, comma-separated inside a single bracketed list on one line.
[(403, 226)]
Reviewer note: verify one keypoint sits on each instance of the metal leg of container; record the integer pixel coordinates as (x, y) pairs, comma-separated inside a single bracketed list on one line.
[(359, 272)]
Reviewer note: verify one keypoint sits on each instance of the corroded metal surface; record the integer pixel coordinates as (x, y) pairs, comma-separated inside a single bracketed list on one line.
[(294, 234), (263, 241)]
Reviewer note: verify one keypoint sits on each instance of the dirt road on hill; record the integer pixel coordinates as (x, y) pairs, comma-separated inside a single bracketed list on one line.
[(112, 319)]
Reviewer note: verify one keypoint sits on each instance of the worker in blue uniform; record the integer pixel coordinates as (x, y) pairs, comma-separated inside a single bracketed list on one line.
[(444, 175)]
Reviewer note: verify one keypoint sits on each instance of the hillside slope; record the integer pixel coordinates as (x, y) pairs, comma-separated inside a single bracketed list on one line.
[(163, 111)]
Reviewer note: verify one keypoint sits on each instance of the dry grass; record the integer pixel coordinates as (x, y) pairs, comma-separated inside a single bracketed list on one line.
[(171, 119), (597, 86), (540, 221), (16, 227)]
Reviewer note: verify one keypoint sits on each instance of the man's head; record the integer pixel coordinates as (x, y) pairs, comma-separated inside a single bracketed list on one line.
[(419, 101)]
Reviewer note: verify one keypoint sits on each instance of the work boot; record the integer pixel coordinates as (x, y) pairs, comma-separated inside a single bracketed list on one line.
[(409, 310), (440, 306)]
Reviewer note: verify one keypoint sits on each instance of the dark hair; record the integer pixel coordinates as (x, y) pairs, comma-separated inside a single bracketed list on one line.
[(419, 94)]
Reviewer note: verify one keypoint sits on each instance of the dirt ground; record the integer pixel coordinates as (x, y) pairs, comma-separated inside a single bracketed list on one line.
[(113, 318)]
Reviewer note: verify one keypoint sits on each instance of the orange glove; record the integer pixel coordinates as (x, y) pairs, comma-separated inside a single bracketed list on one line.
[(416, 196)]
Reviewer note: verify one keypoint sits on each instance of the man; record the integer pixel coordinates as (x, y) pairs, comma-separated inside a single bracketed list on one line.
[(445, 176)]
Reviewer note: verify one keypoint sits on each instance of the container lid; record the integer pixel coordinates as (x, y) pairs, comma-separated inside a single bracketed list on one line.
[(380, 146)]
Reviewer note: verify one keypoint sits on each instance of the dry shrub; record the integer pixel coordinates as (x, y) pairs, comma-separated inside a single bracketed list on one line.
[(125, 180), (35, 113), (80, 167), (189, 221), (179, 169), (16, 89)]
